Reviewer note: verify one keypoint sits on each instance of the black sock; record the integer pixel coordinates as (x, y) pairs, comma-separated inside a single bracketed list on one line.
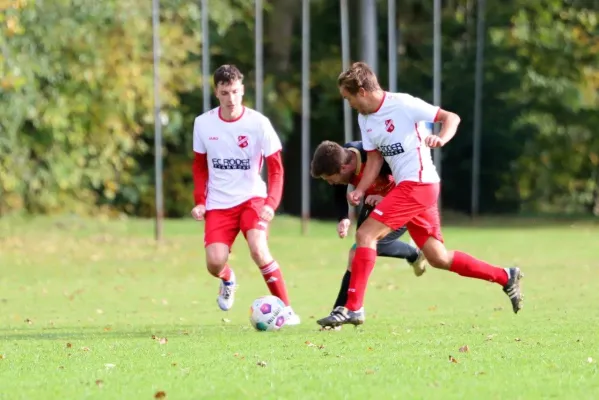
[(397, 249), (342, 296)]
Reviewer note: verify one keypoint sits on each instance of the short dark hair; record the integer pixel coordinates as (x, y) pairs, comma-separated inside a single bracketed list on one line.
[(358, 75), (328, 159), (226, 74)]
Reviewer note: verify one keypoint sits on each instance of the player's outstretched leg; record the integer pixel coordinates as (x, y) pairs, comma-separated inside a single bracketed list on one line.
[(273, 277), (464, 264), (216, 262)]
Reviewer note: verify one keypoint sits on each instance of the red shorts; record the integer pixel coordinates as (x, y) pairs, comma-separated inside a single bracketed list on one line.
[(412, 204), (222, 226)]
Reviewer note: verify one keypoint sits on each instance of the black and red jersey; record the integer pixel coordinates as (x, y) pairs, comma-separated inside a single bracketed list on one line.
[(381, 186)]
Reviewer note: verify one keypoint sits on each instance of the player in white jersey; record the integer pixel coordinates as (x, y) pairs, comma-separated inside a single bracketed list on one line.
[(230, 143), (389, 128)]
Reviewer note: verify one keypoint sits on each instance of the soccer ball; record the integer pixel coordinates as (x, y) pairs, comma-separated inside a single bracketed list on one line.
[(267, 313)]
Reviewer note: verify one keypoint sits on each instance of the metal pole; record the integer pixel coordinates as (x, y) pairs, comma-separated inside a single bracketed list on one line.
[(345, 57), (478, 92), (369, 34), (347, 114), (392, 44), (157, 121), (205, 56), (259, 35), (437, 79), (259, 64), (305, 114)]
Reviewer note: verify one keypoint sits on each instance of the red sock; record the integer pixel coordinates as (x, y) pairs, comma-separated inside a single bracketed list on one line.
[(225, 274), (361, 267), (465, 265), (274, 280)]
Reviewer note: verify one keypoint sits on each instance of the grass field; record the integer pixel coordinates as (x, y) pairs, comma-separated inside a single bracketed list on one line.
[(94, 309)]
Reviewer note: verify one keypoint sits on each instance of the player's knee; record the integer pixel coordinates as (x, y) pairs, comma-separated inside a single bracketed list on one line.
[(216, 258), (365, 238), (438, 259)]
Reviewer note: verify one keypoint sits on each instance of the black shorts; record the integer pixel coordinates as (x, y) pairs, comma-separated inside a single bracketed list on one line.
[(390, 237)]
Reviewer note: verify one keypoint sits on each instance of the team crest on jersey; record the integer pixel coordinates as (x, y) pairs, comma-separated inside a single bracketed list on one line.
[(389, 127), (242, 141)]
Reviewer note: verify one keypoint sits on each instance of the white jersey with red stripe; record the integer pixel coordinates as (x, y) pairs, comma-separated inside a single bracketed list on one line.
[(235, 151), (395, 129)]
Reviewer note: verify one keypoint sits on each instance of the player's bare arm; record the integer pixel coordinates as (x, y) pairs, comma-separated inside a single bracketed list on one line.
[(372, 169), (450, 122)]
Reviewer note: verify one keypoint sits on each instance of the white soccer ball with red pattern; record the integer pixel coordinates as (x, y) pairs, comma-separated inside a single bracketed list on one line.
[(267, 313)]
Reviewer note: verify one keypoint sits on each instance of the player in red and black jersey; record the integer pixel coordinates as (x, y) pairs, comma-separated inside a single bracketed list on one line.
[(342, 166)]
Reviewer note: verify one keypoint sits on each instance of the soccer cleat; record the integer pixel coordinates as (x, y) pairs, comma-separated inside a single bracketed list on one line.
[(419, 266), (226, 293), (341, 315), (291, 318), (512, 289)]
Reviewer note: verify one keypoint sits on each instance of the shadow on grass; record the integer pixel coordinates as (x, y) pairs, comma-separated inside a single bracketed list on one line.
[(452, 219), (99, 332)]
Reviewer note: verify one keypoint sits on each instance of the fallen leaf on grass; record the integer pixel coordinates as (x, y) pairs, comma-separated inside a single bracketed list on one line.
[(161, 340), (369, 372), (480, 373), (432, 308), (226, 320), (464, 349), (107, 329), (99, 383), (60, 367), (2, 356), (518, 340), (498, 309), (452, 360), (309, 343), (85, 349), (321, 346), (261, 363), (28, 321), (174, 364), (160, 395), (69, 345), (369, 349)]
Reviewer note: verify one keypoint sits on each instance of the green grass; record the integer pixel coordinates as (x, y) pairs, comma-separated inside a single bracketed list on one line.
[(81, 299)]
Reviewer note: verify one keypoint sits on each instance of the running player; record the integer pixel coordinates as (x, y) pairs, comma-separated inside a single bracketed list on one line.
[(230, 143), (389, 129)]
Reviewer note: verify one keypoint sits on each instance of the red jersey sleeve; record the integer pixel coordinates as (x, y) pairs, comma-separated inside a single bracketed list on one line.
[(200, 178), (275, 180)]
